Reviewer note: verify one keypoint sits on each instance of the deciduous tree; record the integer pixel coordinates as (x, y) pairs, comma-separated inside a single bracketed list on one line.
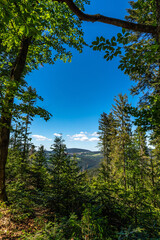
[(29, 31)]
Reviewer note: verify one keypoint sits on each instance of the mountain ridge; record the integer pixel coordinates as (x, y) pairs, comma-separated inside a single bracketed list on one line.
[(77, 150), (87, 159)]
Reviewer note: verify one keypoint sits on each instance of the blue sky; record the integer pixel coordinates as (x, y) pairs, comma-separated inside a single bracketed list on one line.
[(77, 93)]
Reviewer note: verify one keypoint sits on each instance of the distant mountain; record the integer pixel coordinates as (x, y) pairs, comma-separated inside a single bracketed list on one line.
[(96, 152), (77, 150), (71, 151), (89, 160), (86, 159)]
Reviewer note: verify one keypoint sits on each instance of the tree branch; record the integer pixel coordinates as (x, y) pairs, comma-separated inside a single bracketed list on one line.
[(108, 20), (18, 66)]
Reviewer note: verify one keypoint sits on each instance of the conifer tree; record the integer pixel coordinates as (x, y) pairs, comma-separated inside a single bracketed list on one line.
[(66, 180), (154, 168), (123, 137), (15, 138), (107, 133), (140, 59), (37, 168), (140, 141)]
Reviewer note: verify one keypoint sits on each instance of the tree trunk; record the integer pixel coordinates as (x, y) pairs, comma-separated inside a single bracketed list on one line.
[(4, 141), (158, 42), (152, 170), (7, 108), (124, 166), (25, 148), (158, 20)]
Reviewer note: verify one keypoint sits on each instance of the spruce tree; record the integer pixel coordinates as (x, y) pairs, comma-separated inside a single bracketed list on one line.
[(154, 168), (123, 136), (38, 169), (66, 180), (107, 133)]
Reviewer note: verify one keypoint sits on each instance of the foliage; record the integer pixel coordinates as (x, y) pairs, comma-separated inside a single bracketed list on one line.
[(98, 206), (121, 199), (66, 187), (139, 58), (47, 23), (148, 116), (32, 33), (138, 51)]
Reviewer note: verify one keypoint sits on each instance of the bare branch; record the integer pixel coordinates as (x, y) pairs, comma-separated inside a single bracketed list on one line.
[(108, 20)]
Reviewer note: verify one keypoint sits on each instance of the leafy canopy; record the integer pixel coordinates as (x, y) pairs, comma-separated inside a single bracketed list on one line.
[(49, 25)]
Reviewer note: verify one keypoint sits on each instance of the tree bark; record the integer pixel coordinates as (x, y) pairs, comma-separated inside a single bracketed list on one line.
[(108, 20), (7, 109), (158, 20), (124, 166), (25, 148), (158, 42)]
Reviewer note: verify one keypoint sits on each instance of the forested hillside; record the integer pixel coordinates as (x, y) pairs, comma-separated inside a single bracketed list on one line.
[(86, 159), (77, 194)]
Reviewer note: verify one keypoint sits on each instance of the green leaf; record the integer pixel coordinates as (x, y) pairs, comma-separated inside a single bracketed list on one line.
[(123, 30)]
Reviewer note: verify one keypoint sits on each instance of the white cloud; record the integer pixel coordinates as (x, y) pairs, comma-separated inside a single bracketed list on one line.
[(95, 134), (93, 139), (57, 134), (79, 135), (82, 136), (85, 138), (41, 138)]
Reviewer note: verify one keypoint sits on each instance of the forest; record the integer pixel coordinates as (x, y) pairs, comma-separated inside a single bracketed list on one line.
[(51, 196)]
